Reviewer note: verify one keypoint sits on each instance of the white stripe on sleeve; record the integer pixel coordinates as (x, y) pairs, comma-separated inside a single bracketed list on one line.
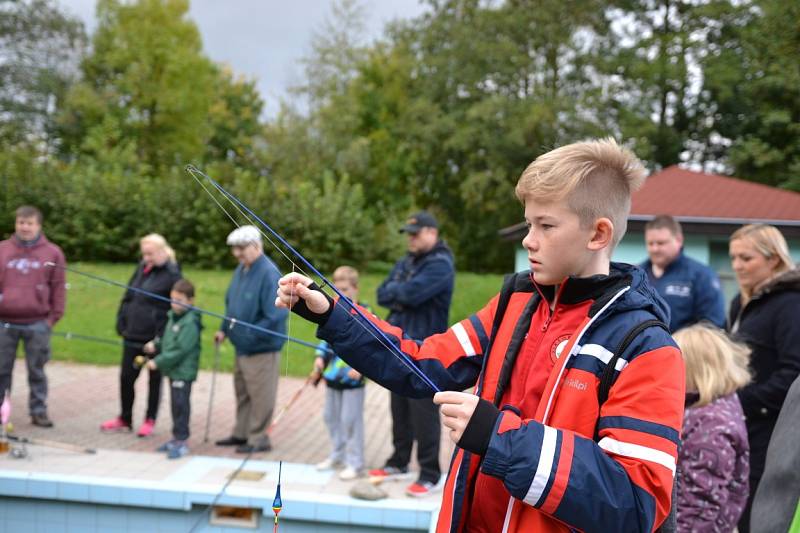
[(544, 467), (463, 338), (597, 351), (637, 451)]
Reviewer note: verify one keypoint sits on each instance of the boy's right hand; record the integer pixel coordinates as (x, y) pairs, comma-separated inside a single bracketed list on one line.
[(319, 365), (303, 297), (149, 347), (219, 336)]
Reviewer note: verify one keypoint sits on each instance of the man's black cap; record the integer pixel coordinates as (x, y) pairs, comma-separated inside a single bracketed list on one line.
[(416, 222)]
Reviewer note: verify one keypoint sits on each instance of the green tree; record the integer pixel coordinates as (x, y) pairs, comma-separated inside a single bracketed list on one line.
[(40, 47), (234, 119), (447, 112), (752, 81), (147, 88)]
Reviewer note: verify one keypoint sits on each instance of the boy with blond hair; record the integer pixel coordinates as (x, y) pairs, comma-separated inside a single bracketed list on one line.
[(574, 419), (344, 395)]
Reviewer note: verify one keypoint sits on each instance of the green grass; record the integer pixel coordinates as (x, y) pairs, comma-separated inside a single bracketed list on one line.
[(92, 310)]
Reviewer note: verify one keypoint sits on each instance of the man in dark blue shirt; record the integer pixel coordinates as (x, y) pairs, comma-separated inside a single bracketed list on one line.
[(690, 288), (417, 293)]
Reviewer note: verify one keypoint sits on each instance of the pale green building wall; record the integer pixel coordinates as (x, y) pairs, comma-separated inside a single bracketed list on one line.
[(708, 249)]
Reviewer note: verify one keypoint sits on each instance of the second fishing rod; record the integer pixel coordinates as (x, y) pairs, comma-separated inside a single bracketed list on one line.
[(232, 322)]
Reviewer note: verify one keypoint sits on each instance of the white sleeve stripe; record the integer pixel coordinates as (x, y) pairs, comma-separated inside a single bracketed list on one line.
[(544, 467), (596, 350), (637, 451), (463, 338)]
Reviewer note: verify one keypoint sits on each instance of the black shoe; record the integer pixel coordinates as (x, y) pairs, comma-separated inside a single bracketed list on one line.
[(231, 441), (41, 420), (249, 448)]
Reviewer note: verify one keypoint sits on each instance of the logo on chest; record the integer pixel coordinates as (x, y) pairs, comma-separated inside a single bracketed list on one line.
[(682, 290), (558, 347), (24, 265)]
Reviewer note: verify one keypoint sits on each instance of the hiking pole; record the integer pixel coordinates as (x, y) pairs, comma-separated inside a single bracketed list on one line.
[(213, 386)]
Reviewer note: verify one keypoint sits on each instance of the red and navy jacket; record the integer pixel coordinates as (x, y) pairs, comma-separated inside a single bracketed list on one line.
[(553, 459)]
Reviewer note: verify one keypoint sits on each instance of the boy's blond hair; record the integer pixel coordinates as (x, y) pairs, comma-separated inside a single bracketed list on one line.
[(769, 242), (715, 365), (596, 177), (346, 273)]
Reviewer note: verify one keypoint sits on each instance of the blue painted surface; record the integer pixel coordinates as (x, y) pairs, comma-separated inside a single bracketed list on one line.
[(32, 502)]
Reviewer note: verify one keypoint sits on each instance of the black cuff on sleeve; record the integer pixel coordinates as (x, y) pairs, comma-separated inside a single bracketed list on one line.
[(479, 430), (302, 310)]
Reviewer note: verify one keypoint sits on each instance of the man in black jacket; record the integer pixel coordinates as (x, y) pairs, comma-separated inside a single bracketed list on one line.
[(418, 292)]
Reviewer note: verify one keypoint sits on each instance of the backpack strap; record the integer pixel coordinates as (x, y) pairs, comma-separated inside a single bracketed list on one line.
[(502, 303), (607, 379), (509, 283)]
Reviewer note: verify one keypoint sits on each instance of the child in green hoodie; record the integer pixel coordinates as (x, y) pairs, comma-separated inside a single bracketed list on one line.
[(178, 358)]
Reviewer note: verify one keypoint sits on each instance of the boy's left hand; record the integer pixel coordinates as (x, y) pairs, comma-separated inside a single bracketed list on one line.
[(457, 409), (152, 365), (354, 374)]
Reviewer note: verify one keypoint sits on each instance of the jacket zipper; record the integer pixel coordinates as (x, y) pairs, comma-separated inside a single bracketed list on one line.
[(555, 307)]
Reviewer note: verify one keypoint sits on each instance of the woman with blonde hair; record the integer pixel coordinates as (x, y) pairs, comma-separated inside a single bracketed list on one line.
[(713, 461), (141, 318), (764, 315)]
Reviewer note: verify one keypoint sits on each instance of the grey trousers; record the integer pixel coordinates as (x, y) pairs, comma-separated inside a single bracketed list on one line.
[(36, 340), (344, 417), (255, 381)]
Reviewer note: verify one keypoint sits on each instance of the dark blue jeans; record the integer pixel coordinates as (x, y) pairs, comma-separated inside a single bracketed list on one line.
[(181, 408)]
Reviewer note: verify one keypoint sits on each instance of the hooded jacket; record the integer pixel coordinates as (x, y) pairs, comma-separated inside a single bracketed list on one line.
[(713, 466), (140, 317), (179, 348), (529, 460), (768, 324), (418, 292), (29, 290)]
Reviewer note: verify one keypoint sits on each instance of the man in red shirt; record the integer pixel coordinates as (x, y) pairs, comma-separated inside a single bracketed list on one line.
[(32, 298)]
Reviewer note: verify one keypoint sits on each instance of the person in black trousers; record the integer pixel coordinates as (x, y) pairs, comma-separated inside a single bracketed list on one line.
[(764, 315), (141, 318), (418, 292)]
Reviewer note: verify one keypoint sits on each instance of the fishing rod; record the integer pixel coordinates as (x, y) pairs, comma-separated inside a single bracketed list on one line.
[(365, 323), (310, 380), (232, 321), (69, 335)]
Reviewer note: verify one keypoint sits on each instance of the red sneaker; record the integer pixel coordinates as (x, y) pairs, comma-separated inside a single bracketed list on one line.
[(376, 475), (115, 425), (420, 489), (146, 429)]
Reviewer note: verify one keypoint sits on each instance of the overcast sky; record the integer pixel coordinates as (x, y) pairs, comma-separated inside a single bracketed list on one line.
[(266, 38)]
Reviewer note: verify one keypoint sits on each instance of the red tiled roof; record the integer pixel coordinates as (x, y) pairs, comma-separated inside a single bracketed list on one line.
[(685, 193)]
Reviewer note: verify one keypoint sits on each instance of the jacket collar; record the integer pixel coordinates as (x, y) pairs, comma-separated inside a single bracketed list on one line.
[(785, 281), (439, 247), (602, 288), (40, 240)]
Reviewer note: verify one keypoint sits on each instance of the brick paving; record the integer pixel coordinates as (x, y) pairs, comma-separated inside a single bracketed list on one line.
[(82, 396)]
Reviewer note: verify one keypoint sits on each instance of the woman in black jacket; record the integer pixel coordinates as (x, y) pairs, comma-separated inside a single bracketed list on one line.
[(140, 319), (764, 315)]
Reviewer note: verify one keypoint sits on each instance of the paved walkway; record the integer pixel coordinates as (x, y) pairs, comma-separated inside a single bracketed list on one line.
[(82, 396)]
